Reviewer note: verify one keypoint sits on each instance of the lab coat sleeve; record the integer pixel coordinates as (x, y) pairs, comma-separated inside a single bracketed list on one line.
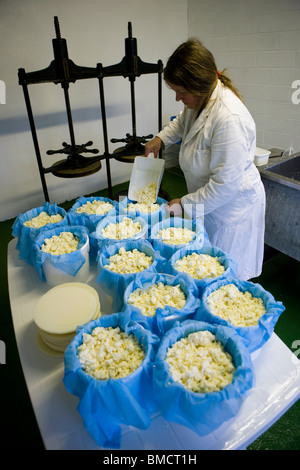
[(229, 157), (173, 131)]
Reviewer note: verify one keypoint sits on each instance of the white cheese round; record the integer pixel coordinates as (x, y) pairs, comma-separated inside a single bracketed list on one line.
[(63, 308), (87, 287)]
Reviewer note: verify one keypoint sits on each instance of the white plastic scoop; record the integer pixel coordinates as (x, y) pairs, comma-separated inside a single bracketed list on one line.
[(145, 171)]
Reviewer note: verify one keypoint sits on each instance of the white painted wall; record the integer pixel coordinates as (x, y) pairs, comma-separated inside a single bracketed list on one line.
[(95, 31), (259, 42)]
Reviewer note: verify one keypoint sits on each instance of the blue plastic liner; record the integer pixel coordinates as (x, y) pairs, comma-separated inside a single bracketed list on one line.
[(167, 250), (102, 240), (114, 284), (228, 263), (202, 412), (27, 235), (165, 317), (106, 405), (69, 263), (152, 218), (90, 220), (254, 336)]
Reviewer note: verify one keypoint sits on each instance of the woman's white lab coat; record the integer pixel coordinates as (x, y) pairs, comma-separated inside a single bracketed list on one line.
[(216, 157)]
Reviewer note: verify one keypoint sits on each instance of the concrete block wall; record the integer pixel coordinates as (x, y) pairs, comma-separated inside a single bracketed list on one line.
[(259, 43), (95, 31)]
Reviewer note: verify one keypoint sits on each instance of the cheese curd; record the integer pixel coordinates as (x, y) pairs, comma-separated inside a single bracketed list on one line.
[(95, 207), (200, 363), (157, 296), (200, 266), (125, 262), (60, 244), (146, 195), (176, 235), (144, 208), (127, 228), (43, 219), (236, 307), (110, 353)]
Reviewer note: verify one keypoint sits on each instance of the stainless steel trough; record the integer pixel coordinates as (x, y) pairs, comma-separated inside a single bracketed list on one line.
[(281, 179)]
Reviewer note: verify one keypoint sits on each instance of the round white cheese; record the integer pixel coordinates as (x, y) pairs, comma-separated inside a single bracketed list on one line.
[(65, 307), (89, 288)]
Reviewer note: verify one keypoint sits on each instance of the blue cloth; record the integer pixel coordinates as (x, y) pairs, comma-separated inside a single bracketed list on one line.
[(102, 240), (152, 218), (228, 263), (27, 235), (202, 412), (255, 336), (106, 405), (165, 317), (114, 284), (90, 220), (70, 263), (167, 250)]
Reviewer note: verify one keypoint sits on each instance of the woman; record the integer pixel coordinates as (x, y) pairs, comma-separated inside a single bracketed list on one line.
[(218, 141)]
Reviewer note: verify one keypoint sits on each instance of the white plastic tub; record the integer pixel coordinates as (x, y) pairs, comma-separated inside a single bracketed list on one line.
[(55, 276), (261, 156)]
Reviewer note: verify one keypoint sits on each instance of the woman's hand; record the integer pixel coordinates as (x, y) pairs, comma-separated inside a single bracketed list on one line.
[(153, 146), (174, 207)]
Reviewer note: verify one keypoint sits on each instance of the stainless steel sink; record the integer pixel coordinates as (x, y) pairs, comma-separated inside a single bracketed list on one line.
[(287, 172), (290, 168), (281, 180)]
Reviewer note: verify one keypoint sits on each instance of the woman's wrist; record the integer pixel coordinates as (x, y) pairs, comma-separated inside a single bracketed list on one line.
[(153, 146), (175, 208)]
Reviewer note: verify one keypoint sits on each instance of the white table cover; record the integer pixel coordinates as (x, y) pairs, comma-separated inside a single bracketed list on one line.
[(277, 377)]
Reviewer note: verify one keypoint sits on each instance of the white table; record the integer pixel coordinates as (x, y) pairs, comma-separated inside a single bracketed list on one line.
[(277, 375)]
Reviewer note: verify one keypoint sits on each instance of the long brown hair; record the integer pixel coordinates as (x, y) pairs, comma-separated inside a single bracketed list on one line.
[(193, 67)]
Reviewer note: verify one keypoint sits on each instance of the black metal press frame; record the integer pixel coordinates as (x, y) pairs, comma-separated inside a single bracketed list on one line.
[(64, 71)]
